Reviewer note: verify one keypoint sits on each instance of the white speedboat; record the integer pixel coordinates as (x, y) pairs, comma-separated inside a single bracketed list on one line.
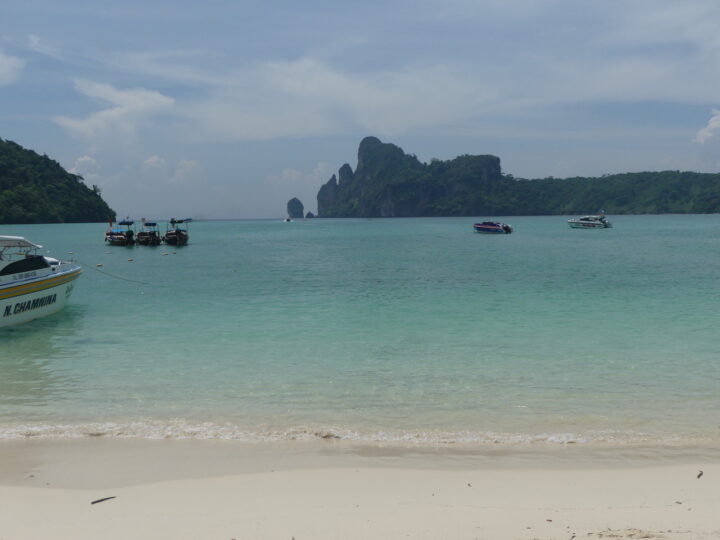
[(31, 285), (590, 222)]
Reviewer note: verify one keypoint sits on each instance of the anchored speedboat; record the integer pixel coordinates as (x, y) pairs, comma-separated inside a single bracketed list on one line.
[(493, 227), (31, 285), (590, 222)]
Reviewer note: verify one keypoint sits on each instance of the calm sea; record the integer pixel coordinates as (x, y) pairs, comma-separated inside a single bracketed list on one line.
[(393, 330)]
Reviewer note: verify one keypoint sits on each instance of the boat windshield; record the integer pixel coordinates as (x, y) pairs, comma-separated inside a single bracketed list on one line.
[(33, 262)]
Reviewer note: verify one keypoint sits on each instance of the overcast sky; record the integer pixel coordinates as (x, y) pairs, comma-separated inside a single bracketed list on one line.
[(229, 108)]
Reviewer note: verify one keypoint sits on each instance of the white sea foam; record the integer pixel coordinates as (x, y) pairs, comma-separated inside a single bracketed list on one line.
[(181, 429)]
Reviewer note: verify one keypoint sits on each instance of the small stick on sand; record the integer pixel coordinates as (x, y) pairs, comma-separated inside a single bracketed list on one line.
[(101, 500)]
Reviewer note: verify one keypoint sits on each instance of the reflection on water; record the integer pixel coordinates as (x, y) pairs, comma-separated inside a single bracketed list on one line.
[(29, 379)]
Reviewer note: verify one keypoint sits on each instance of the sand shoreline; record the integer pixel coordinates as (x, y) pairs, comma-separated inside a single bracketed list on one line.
[(224, 490), (99, 461)]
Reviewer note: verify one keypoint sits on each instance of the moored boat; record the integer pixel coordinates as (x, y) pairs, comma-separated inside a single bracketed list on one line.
[(590, 222), (149, 235), (493, 227), (121, 237), (175, 234), (31, 285)]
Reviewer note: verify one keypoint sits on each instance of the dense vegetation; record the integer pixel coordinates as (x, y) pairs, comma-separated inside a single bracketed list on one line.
[(387, 182), (36, 189)]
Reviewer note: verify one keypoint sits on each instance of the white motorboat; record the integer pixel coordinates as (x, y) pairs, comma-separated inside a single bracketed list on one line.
[(590, 222), (31, 285)]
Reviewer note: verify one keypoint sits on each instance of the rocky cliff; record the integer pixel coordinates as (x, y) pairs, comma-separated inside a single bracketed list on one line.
[(295, 208), (387, 182)]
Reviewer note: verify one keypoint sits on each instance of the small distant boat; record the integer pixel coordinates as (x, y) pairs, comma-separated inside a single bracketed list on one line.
[(149, 235), (31, 285), (493, 227), (121, 237), (175, 234), (590, 222)]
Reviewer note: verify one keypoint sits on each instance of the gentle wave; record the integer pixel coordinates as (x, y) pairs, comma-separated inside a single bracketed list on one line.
[(180, 429)]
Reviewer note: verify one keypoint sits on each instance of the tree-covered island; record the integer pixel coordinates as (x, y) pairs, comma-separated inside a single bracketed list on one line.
[(387, 182), (36, 189)]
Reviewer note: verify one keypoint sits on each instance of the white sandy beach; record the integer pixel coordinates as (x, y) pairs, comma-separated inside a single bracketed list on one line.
[(227, 490)]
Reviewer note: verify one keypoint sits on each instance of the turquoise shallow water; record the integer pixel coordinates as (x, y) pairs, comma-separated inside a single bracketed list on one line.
[(408, 330)]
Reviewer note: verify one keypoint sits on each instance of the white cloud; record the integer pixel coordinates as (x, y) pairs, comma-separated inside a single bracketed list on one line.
[(37, 45), (309, 98), (132, 108), (155, 162), (179, 66), (710, 129), (158, 171), (320, 174), (649, 22), (612, 51), (186, 169), (87, 167), (10, 68)]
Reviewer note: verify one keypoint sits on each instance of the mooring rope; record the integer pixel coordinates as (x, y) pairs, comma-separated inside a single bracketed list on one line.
[(111, 275)]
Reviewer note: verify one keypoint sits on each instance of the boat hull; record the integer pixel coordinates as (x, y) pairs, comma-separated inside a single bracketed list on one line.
[(492, 228), (145, 239), (490, 231), (587, 225), (26, 301), (117, 242), (176, 238)]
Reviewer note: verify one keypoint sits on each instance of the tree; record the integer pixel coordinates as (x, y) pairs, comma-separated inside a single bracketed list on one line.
[(36, 189)]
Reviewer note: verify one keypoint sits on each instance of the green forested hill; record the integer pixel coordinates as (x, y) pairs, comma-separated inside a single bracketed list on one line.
[(36, 189), (389, 183)]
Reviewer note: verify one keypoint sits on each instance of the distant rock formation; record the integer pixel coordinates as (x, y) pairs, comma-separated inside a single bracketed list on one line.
[(387, 182), (295, 208), (309, 215), (36, 189)]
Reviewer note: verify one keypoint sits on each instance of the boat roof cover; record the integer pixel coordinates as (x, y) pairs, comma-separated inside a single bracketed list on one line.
[(126, 222), (17, 241)]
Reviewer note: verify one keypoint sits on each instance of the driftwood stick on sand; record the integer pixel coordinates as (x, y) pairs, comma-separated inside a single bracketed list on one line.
[(101, 500)]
